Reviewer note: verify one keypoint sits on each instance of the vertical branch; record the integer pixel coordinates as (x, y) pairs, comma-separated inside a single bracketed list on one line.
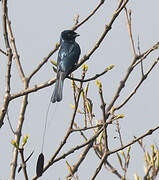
[(138, 47), (18, 133), (104, 118), (21, 151), (128, 19), (10, 42), (9, 64), (119, 133), (15, 52)]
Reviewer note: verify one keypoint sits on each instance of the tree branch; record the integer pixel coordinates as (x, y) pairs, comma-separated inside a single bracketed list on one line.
[(16, 57), (9, 64), (128, 20), (81, 159), (43, 62), (143, 78), (89, 16), (18, 133), (106, 30)]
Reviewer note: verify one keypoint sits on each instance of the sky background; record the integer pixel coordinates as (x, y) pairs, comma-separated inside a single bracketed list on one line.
[(37, 26)]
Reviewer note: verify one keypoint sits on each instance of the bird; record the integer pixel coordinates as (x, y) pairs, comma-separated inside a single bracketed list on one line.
[(67, 59)]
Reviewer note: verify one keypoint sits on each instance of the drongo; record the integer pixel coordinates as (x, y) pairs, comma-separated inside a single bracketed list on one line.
[(68, 56)]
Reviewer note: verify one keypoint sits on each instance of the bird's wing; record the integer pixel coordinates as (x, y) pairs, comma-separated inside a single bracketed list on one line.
[(68, 56)]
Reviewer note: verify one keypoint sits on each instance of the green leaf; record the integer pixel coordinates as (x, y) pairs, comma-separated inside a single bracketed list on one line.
[(24, 141), (53, 62)]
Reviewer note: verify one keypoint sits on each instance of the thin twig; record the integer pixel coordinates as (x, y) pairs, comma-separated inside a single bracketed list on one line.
[(18, 133), (10, 122), (3, 52), (81, 132), (21, 151), (89, 79), (103, 159), (120, 86), (145, 54), (147, 173), (73, 150), (112, 169), (143, 78), (129, 70), (43, 62), (81, 158), (149, 132), (119, 133), (92, 139), (128, 19), (87, 128), (16, 57), (103, 105), (74, 88), (120, 3), (77, 25), (138, 47)]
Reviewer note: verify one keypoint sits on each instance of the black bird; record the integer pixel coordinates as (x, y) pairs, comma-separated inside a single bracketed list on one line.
[(67, 59)]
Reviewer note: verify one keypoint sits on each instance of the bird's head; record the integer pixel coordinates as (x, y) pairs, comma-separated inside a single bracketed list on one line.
[(68, 35)]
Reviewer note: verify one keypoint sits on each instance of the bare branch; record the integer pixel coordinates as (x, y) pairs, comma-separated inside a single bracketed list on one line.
[(15, 52), (108, 153), (23, 163), (33, 89), (119, 133), (43, 62), (53, 160), (10, 122), (129, 70), (86, 128), (128, 19), (112, 169), (3, 52), (121, 86), (89, 79), (101, 38), (81, 158), (77, 25), (18, 133), (92, 139), (149, 132), (143, 78), (102, 106), (103, 159), (145, 54), (9, 64)]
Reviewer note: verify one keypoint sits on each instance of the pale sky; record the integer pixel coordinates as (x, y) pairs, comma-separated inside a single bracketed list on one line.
[(37, 26)]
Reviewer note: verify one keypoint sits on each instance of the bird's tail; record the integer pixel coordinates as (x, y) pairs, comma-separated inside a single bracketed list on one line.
[(57, 94)]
